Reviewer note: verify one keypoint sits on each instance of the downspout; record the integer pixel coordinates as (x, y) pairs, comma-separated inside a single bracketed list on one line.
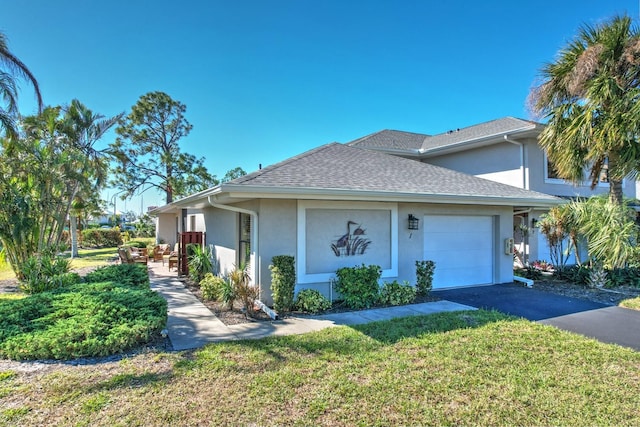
[(254, 233), (523, 170), (525, 240)]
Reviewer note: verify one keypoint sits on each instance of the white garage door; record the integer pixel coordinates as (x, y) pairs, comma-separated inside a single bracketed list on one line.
[(462, 248)]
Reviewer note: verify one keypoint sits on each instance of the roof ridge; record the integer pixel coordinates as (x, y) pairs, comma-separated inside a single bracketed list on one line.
[(272, 167), (484, 123), (362, 138)]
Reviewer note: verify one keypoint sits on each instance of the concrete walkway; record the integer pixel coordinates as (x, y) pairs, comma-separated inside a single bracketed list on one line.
[(192, 325)]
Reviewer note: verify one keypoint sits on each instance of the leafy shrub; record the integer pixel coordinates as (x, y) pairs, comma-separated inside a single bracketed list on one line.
[(137, 244), (359, 285), (394, 293), (243, 289), (283, 281), (199, 262), (528, 273), (211, 286), (311, 301), (124, 274), (99, 237), (424, 276), (629, 276), (227, 293), (83, 320), (46, 272)]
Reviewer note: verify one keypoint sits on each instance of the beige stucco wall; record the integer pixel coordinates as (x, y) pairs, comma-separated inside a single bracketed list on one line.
[(498, 162), (222, 233), (411, 242), (166, 229), (561, 188), (278, 234)]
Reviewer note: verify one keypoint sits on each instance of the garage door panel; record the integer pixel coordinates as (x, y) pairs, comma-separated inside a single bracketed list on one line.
[(462, 247)]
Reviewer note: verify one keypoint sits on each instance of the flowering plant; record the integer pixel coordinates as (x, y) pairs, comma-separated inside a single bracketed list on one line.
[(542, 266)]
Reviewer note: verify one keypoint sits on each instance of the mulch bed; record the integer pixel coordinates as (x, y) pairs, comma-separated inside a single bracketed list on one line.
[(603, 296)]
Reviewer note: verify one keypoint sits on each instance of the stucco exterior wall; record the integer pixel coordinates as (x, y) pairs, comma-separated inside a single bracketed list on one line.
[(222, 233), (411, 242), (280, 232), (539, 181), (166, 229), (498, 162), (277, 236)]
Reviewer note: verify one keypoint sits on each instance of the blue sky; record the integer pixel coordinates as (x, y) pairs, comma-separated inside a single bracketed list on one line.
[(266, 80)]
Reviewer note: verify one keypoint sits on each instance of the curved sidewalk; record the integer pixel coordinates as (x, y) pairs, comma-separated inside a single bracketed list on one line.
[(192, 325)]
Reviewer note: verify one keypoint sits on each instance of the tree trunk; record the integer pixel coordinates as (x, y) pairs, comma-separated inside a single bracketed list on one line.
[(615, 191), (73, 231)]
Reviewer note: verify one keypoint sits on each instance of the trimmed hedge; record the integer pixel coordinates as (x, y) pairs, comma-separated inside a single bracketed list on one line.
[(283, 282), (424, 275), (359, 285), (100, 237)]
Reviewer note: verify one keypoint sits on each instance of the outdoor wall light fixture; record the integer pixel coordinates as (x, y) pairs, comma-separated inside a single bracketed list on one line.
[(413, 222), (534, 223)]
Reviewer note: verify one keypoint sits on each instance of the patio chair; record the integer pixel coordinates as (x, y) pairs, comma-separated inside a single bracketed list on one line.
[(171, 257), (160, 251), (128, 257)]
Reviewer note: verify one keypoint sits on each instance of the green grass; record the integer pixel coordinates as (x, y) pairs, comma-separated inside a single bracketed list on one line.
[(633, 303), (93, 257), (465, 368), (86, 258), (6, 272)]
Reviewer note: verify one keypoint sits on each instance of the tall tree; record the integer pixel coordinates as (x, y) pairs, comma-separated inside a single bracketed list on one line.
[(148, 154), (83, 128), (233, 174), (10, 69), (589, 95), (47, 174)]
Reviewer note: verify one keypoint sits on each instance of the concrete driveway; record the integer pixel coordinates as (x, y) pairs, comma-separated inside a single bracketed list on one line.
[(608, 324)]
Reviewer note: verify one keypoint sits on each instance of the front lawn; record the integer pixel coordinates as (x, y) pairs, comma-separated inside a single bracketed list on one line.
[(632, 303), (464, 368), (86, 258)]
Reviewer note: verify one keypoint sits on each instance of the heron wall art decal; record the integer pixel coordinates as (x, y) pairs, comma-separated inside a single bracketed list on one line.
[(351, 243)]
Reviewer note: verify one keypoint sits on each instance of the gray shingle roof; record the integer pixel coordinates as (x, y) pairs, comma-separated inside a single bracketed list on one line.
[(391, 139), (343, 167), (412, 142), (483, 130)]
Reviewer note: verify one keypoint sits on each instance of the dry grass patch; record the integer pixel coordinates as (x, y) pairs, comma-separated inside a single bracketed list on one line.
[(632, 303)]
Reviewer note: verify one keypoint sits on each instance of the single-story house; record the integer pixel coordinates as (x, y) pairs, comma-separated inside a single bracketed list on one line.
[(341, 206)]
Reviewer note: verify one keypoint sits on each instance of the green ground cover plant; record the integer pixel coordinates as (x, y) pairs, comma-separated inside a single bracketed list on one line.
[(124, 274), (462, 368), (113, 312)]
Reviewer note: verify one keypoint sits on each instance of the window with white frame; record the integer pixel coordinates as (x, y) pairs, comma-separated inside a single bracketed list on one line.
[(552, 175)]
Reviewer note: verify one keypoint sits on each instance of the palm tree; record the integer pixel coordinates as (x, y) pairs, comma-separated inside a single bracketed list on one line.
[(10, 69), (83, 128), (590, 97)]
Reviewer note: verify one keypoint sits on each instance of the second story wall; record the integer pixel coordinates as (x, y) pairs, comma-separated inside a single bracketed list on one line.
[(498, 162), (542, 179)]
